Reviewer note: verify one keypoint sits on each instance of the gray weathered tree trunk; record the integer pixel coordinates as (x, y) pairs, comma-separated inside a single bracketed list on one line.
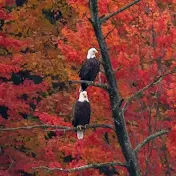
[(115, 99)]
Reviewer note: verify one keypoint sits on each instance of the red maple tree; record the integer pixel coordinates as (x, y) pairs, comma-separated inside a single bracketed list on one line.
[(136, 42)]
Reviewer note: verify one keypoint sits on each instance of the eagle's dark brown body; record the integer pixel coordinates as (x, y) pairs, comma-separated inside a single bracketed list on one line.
[(81, 113), (89, 71)]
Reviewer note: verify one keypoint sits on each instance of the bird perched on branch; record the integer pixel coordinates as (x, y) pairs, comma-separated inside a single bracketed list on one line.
[(89, 69), (81, 114)]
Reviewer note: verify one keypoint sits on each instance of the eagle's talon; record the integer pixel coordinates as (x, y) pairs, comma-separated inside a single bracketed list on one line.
[(80, 127), (85, 126)]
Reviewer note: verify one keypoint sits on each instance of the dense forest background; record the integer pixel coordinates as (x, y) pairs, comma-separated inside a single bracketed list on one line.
[(42, 46)]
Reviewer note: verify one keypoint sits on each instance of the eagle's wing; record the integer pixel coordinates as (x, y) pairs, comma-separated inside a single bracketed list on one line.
[(89, 112), (85, 69), (75, 114)]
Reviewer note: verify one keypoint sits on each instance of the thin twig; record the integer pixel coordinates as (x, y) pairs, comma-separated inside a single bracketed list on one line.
[(117, 69), (90, 83), (89, 19), (56, 127), (149, 138), (104, 19), (11, 164), (155, 82), (82, 167), (109, 33)]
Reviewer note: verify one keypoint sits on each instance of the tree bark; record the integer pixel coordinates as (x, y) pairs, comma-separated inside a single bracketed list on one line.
[(115, 99)]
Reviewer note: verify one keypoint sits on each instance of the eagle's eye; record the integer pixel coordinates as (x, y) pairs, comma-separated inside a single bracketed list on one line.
[(84, 95)]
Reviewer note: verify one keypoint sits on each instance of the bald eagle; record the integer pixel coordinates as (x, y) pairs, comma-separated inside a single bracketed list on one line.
[(90, 68), (81, 114)]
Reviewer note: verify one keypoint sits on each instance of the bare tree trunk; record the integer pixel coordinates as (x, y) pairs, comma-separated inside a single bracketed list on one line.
[(115, 99)]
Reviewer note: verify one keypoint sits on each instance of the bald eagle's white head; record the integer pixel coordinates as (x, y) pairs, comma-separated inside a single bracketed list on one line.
[(91, 53), (83, 96)]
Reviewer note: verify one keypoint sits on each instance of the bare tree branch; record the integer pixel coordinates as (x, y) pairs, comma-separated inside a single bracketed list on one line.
[(155, 82), (29, 127), (114, 94), (82, 167), (104, 19), (57, 128), (90, 83), (149, 138)]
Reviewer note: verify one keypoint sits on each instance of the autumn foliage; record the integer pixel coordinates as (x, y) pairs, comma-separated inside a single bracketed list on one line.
[(42, 46)]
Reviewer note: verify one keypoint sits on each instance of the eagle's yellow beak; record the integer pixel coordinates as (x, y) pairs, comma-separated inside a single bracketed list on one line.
[(96, 51)]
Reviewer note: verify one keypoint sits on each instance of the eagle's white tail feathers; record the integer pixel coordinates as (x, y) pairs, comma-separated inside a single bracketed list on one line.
[(80, 134)]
